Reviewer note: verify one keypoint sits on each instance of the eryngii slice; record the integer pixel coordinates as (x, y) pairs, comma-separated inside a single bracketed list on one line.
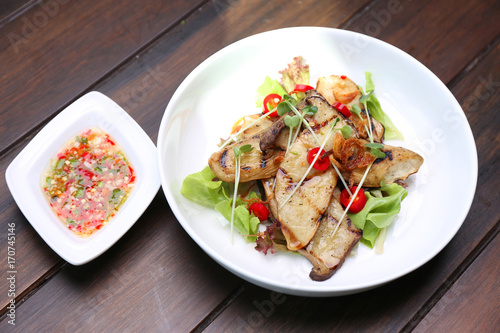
[(328, 248)]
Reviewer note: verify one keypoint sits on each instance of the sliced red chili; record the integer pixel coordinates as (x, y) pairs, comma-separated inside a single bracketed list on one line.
[(302, 88), (109, 140), (273, 100), (132, 176), (343, 77), (321, 163), (342, 109), (358, 202), (260, 210)]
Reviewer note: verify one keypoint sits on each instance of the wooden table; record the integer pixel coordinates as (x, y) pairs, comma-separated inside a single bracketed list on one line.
[(156, 278)]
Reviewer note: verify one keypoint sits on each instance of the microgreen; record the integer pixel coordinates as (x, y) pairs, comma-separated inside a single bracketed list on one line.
[(356, 110), (374, 145), (290, 99), (289, 104), (242, 150), (283, 108), (322, 145), (238, 151), (309, 110), (234, 136), (374, 149), (364, 99), (346, 131), (292, 121)]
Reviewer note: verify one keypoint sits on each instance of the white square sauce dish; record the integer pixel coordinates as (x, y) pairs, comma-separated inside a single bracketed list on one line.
[(26, 173)]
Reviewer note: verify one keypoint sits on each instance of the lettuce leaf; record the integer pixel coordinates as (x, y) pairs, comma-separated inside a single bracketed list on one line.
[(269, 86), (379, 211), (246, 223), (201, 188), (391, 131)]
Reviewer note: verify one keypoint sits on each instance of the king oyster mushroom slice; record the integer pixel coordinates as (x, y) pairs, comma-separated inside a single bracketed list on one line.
[(327, 251), (255, 164), (299, 214), (398, 164)]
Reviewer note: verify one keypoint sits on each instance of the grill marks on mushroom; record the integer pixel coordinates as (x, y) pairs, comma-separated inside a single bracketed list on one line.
[(309, 217), (327, 250)]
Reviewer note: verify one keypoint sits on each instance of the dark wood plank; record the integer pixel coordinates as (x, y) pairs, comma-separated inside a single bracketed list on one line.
[(149, 83), (152, 279), (33, 257), (143, 87), (443, 35), (123, 29), (9, 8), (458, 311), (397, 305), (50, 55), (193, 39)]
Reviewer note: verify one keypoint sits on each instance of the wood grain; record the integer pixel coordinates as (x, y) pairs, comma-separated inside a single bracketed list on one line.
[(144, 85), (54, 53), (444, 35), (472, 304), (9, 8), (33, 257), (155, 277)]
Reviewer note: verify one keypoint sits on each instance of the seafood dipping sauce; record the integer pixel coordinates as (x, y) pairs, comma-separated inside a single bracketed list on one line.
[(87, 181)]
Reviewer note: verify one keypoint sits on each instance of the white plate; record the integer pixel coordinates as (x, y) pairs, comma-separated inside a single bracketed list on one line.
[(24, 175), (222, 89)]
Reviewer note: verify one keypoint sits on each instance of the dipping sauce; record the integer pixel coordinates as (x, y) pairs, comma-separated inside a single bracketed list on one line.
[(87, 181)]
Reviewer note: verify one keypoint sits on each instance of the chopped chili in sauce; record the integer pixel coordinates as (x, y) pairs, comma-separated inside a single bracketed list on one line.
[(87, 181)]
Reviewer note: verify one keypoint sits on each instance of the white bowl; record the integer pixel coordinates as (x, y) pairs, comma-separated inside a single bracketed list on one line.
[(24, 175), (222, 89)]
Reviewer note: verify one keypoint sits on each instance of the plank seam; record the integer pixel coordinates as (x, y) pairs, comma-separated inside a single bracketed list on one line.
[(34, 287), (473, 63), (453, 278), (109, 74), (210, 318), (364, 8), (18, 12)]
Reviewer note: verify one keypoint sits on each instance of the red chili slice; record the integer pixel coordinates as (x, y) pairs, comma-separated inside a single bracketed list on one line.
[(358, 203), (343, 77), (302, 88), (273, 100), (132, 176), (109, 140), (342, 109), (321, 163), (260, 210)]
